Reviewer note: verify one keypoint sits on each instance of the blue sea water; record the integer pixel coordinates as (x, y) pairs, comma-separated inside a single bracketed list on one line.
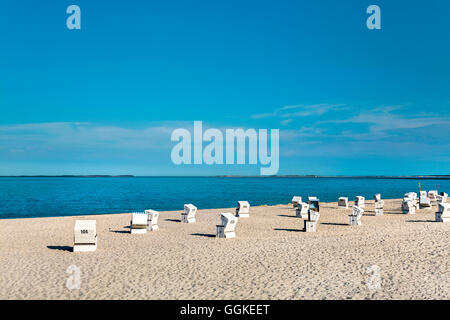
[(49, 197)]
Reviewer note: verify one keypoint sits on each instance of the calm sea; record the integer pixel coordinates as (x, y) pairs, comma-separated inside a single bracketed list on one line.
[(49, 197)]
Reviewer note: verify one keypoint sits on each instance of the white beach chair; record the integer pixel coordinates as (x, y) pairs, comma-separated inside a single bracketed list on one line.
[(424, 202), (85, 236), (408, 206), (313, 203), (313, 219), (423, 193), (188, 216), (138, 224), (443, 214), (379, 211), (442, 198), (227, 226), (355, 218), (360, 202), (432, 195), (296, 200), (302, 210), (413, 195), (152, 220), (379, 204), (343, 202), (243, 209)]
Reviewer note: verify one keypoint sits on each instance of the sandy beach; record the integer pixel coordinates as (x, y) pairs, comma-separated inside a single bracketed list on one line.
[(271, 257)]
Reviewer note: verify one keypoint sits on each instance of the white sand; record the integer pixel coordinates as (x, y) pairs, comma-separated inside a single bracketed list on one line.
[(271, 258)]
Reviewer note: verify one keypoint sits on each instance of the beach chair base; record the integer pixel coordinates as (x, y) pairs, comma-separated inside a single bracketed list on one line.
[(439, 218), (85, 247), (242, 215), (152, 228), (379, 212), (302, 215), (354, 221), (185, 219), (310, 226), (221, 234), (138, 231)]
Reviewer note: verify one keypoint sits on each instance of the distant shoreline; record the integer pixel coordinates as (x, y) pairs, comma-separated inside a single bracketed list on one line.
[(424, 177)]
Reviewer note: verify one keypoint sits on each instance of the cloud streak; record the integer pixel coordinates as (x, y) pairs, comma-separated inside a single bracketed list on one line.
[(295, 111)]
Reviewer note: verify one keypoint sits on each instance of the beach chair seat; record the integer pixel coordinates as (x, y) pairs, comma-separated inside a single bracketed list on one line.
[(443, 214), (227, 226), (188, 215), (310, 225), (355, 218), (138, 224), (408, 206), (302, 210), (313, 203), (379, 207), (243, 209), (296, 200), (85, 236), (432, 194), (360, 202), (152, 220), (414, 198), (442, 198), (379, 204), (343, 202), (425, 202)]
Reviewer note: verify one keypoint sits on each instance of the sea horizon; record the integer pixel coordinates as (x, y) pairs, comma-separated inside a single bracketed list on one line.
[(32, 197), (429, 176)]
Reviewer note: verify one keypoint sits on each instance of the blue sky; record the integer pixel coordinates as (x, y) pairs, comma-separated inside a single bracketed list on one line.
[(105, 99)]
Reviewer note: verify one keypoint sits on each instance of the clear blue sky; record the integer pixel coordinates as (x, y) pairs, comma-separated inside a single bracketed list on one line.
[(105, 99)]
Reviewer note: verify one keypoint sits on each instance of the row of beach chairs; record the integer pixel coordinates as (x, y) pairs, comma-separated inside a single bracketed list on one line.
[(85, 231), (85, 234)]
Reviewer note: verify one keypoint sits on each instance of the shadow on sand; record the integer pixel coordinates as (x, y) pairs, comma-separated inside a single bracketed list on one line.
[(290, 230), (208, 235), (334, 224), (62, 248), (119, 231)]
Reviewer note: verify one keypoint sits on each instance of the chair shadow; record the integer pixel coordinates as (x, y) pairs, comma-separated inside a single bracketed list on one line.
[(393, 212), (208, 235), (420, 221), (334, 224), (285, 215), (290, 230), (173, 220), (62, 248), (119, 231)]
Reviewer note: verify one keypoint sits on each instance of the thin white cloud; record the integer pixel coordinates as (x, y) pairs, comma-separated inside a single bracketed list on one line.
[(47, 137), (295, 111), (388, 130), (383, 119)]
